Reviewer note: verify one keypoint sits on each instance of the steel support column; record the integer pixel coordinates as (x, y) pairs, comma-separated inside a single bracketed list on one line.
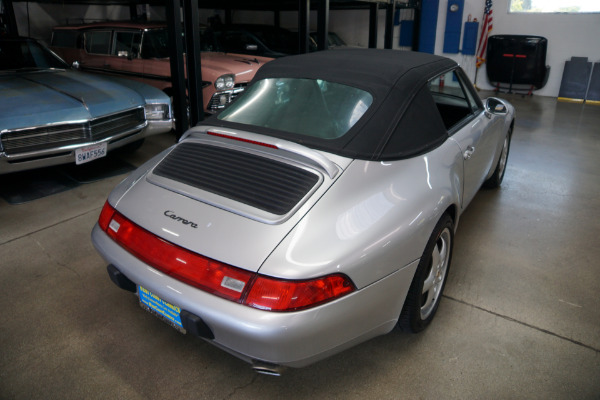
[(417, 27), (323, 25), (390, 8), (173, 11), (10, 19), (194, 72), (303, 25), (133, 15), (373, 23), (277, 18)]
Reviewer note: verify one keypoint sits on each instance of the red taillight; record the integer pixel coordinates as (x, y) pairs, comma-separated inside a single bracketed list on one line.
[(279, 295), (105, 216), (195, 270), (221, 279)]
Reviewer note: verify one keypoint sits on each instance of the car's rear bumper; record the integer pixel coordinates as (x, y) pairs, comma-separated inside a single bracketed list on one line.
[(293, 339)]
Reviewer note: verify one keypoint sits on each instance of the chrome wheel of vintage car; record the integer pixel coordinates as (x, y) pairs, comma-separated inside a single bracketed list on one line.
[(430, 278)]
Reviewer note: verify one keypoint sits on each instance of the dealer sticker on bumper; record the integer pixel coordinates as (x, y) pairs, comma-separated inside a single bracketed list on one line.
[(89, 153), (166, 311)]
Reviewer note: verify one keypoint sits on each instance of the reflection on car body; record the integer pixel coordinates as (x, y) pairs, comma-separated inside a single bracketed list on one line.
[(326, 200), (50, 114)]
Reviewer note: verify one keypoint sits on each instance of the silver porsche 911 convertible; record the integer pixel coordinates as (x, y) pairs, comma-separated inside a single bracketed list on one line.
[(315, 212)]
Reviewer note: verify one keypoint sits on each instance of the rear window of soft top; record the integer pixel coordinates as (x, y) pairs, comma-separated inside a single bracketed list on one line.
[(310, 107)]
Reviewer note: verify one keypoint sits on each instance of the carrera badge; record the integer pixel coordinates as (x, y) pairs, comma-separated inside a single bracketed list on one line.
[(173, 216)]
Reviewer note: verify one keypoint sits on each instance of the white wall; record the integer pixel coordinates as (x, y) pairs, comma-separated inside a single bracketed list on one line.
[(568, 35)]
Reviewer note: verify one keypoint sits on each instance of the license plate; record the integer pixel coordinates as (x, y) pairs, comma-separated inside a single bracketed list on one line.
[(155, 305), (89, 153)]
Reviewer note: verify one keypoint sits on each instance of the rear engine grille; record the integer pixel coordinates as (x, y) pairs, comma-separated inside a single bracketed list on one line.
[(260, 182), (51, 137)]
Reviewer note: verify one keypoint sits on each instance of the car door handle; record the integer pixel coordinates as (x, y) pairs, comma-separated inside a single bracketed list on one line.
[(469, 152)]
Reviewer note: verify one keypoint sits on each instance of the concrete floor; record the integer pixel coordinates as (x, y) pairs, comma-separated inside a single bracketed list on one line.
[(520, 318)]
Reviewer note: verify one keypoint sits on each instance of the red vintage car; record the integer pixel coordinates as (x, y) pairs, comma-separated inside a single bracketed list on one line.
[(140, 51)]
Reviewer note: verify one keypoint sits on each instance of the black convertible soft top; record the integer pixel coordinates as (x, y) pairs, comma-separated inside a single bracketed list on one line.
[(403, 120)]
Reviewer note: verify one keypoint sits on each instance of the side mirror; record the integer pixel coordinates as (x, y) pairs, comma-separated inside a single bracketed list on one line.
[(75, 64), (494, 105)]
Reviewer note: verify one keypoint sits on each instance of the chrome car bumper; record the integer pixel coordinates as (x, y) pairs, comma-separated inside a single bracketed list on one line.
[(158, 126), (66, 154), (293, 339)]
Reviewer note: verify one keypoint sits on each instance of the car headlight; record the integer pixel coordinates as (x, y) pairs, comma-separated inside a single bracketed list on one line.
[(224, 82), (157, 111)]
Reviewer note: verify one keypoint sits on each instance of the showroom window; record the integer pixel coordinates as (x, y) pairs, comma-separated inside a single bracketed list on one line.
[(554, 6)]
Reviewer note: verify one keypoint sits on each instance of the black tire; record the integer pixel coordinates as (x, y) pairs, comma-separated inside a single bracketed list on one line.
[(496, 179), (428, 283)]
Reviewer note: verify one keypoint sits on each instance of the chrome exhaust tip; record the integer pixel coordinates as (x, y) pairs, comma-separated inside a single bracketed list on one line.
[(266, 368)]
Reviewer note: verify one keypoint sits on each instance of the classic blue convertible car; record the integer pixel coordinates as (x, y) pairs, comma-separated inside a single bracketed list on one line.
[(50, 114)]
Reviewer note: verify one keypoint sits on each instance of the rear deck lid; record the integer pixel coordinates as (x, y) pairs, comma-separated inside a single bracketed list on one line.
[(230, 200)]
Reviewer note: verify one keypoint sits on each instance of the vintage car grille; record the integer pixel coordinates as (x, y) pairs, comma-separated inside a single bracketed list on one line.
[(266, 184), (216, 102), (51, 137), (113, 124)]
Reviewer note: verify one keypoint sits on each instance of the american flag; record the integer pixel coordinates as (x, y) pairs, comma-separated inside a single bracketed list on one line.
[(485, 32)]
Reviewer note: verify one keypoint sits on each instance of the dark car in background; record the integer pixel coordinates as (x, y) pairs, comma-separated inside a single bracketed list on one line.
[(252, 39), (334, 40)]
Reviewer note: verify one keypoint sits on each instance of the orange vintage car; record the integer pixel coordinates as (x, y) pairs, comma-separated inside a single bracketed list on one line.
[(140, 51)]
